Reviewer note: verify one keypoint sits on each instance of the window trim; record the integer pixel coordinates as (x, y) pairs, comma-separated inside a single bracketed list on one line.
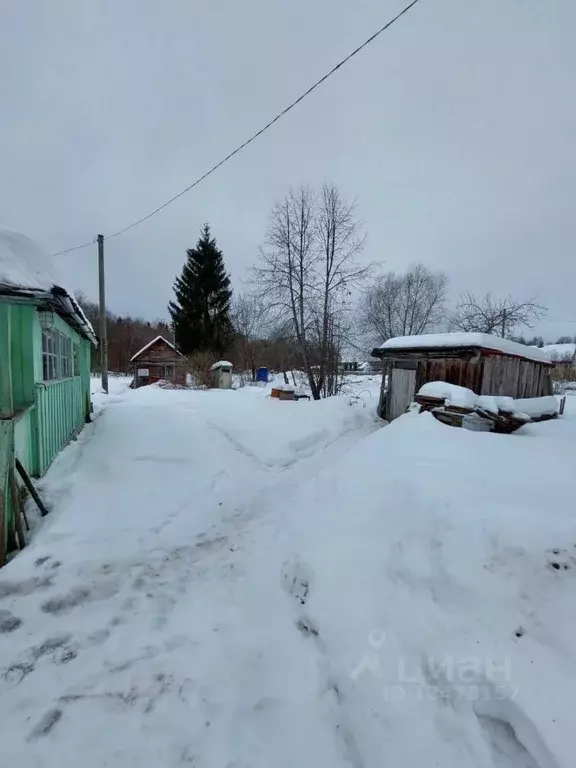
[(60, 362), (164, 371)]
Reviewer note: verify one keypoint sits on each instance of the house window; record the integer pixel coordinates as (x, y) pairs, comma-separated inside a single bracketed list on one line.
[(76, 360), (65, 356), (166, 372), (57, 355), (49, 355)]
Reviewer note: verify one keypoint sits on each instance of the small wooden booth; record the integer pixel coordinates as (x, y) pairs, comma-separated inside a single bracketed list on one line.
[(488, 365), (222, 375), (159, 360)]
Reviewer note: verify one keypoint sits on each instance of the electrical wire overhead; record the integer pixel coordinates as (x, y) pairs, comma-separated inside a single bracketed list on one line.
[(255, 135)]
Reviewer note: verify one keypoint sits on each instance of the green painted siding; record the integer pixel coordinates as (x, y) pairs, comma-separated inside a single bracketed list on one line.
[(60, 413), (5, 361), (37, 418), (62, 406), (22, 319)]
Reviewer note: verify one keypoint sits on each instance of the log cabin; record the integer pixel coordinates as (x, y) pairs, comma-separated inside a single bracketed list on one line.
[(159, 360)]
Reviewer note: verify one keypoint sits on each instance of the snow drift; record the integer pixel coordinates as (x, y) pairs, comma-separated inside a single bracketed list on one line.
[(527, 407), (444, 564)]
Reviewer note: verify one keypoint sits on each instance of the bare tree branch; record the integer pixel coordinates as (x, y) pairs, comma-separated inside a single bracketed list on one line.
[(339, 243), (306, 271), (403, 305), (489, 314), (248, 315)]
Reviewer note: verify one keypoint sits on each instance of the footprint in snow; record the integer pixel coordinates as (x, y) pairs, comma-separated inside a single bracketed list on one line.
[(296, 580), (8, 622)]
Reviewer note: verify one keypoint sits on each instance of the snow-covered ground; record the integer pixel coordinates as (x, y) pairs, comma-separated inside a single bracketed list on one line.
[(229, 581)]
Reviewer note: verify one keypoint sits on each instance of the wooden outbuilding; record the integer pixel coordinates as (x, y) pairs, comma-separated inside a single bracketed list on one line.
[(222, 374), (159, 360), (488, 365)]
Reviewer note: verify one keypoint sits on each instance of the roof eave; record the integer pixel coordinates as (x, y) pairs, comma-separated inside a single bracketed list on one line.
[(150, 344), (59, 301), (411, 352), (381, 352)]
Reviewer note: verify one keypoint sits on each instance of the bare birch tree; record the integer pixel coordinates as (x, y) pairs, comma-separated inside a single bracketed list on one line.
[(285, 272), (307, 269), (340, 242), (490, 314), (403, 305), (248, 314)]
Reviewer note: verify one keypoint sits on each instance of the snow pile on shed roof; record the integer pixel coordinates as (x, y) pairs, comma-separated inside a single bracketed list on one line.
[(22, 263), (560, 351), (221, 364), (484, 340), (150, 343)]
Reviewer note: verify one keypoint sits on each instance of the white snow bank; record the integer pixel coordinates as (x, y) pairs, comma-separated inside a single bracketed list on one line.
[(452, 394), (221, 364), (442, 571), (530, 407), (23, 264), (483, 340)]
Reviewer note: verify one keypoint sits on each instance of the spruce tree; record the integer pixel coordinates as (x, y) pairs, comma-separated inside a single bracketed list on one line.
[(201, 311)]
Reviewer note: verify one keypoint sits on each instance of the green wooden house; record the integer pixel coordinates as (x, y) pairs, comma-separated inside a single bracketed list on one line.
[(45, 342)]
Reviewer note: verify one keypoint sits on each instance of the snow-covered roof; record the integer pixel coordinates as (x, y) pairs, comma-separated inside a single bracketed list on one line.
[(221, 364), (25, 269), (151, 343), (560, 351), (451, 340), (22, 263), (452, 394)]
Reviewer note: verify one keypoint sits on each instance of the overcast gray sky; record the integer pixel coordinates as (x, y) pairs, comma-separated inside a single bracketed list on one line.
[(455, 131)]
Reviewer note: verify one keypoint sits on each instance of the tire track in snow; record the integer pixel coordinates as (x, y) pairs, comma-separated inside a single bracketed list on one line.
[(301, 449)]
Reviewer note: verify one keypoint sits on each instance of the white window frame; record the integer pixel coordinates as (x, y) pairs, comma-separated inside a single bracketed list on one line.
[(50, 367), (164, 368), (65, 356), (58, 356)]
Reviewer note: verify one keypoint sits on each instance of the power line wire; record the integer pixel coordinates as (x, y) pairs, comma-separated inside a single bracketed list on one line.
[(75, 248), (256, 135)]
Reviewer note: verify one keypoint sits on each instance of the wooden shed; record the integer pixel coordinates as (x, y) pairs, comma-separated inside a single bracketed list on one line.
[(488, 365), (159, 360), (222, 374)]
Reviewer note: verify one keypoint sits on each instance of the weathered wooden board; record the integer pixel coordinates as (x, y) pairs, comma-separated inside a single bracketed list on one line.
[(6, 459), (401, 392)]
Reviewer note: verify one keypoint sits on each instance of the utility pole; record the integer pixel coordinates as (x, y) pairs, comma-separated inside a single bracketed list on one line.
[(503, 323), (103, 329)]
